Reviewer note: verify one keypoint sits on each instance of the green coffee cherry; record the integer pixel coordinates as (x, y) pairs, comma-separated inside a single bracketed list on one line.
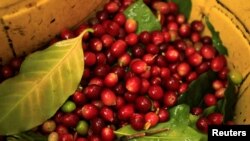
[(53, 136), (49, 126), (82, 127), (68, 106), (236, 77)]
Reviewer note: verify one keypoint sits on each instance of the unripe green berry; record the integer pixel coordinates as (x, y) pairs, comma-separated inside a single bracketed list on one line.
[(68, 107), (236, 77), (82, 127)]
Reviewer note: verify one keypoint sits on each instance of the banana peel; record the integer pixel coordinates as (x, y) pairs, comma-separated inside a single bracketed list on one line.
[(232, 21)]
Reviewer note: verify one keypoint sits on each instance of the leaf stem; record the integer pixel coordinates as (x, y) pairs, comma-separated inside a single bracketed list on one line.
[(149, 133), (85, 31), (143, 134)]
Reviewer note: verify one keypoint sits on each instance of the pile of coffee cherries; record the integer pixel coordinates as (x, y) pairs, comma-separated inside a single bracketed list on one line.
[(134, 78)]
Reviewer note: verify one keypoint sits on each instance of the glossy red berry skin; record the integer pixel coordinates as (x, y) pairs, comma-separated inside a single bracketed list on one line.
[(101, 70), (149, 59), (217, 84), (155, 92), (195, 59), (143, 104), (137, 121), (95, 45), (196, 111), (79, 98), (120, 18), (16, 63), (113, 28), (215, 118), (163, 115), (6, 71), (66, 34), (111, 7), (151, 119), (107, 134), (172, 55), (120, 101), (102, 15), (138, 51), (220, 93), (107, 40), (94, 138), (81, 139), (89, 111), (183, 69), (202, 124), (208, 52), (130, 25), (92, 91), (124, 60), (125, 112), (70, 120), (145, 37), (101, 58), (111, 79), (152, 49), (138, 66), (80, 29), (157, 37), (99, 30), (170, 99), (162, 7), (197, 26), (61, 129), (96, 81), (189, 51), (97, 124), (130, 97), (131, 39), (171, 83), (218, 63), (133, 84), (192, 76), (107, 114), (173, 7), (66, 137), (108, 97), (172, 26), (118, 48), (144, 86), (210, 100), (184, 30), (89, 58), (155, 71)]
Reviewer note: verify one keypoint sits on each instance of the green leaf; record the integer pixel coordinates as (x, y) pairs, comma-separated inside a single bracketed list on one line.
[(185, 6), (180, 114), (27, 136), (178, 125), (209, 110), (197, 89), (227, 105), (216, 38), (192, 120), (146, 20), (46, 79)]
